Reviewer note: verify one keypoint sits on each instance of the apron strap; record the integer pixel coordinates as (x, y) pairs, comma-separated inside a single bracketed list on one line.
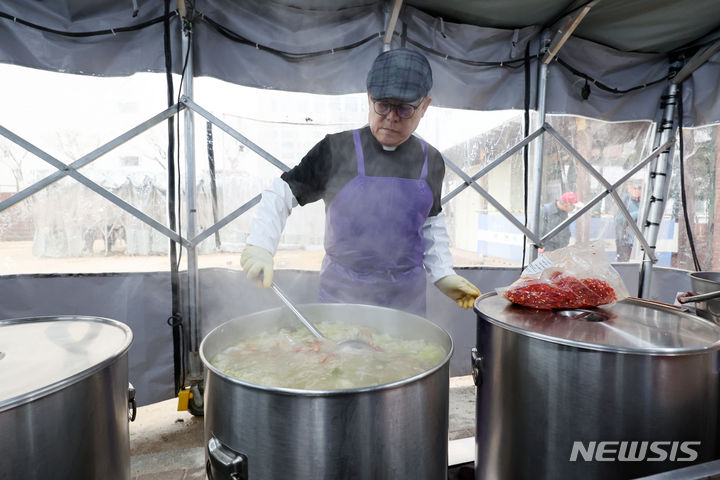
[(359, 153), (424, 172)]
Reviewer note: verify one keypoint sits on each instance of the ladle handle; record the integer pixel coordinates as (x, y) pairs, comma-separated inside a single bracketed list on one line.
[(698, 298), (297, 313)]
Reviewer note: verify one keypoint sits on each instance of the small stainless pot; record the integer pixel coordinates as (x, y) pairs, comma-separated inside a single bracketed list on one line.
[(64, 398)]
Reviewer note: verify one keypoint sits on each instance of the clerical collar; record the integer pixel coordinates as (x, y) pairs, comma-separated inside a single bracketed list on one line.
[(388, 149)]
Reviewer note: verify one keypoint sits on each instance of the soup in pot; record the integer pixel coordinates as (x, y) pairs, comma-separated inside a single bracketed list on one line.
[(296, 359)]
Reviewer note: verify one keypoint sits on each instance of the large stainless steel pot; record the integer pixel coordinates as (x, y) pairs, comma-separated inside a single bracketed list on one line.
[(64, 398), (392, 431), (617, 392)]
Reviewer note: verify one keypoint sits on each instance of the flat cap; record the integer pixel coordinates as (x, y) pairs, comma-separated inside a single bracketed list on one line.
[(401, 74)]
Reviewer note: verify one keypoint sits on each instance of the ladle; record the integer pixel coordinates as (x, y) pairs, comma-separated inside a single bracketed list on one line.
[(345, 345)]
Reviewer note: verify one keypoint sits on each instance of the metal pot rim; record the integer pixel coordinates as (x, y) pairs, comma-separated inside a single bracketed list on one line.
[(657, 351), (51, 388), (324, 393), (701, 277)]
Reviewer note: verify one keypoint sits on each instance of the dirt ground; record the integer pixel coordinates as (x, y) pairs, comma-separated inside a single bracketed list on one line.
[(17, 258)]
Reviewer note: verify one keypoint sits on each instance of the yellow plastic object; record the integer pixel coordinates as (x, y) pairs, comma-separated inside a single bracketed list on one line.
[(184, 397), (257, 264), (456, 287)]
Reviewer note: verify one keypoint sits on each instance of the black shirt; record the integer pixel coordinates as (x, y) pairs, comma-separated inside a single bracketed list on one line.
[(332, 163)]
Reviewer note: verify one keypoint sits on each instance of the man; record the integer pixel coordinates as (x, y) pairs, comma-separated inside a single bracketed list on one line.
[(623, 233), (381, 187), (552, 215)]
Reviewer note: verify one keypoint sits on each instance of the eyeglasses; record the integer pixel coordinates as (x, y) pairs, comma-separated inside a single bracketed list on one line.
[(403, 110)]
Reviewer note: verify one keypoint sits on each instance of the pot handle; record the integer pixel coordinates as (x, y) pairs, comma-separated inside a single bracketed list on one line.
[(132, 405), (224, 463), (689, 297), (478, 366)]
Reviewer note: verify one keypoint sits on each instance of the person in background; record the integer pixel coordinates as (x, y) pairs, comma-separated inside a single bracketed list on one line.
[(623, 233), (385, 229), (553, 214)]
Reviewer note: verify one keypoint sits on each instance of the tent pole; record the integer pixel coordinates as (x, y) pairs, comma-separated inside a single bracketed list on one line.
[(660, 173), (539, 143), (697, 61), (194, 363), (390, 25), (565, 30)]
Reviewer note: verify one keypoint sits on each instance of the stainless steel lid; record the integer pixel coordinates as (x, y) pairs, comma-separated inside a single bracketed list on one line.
[(630, 326), (41, 355)]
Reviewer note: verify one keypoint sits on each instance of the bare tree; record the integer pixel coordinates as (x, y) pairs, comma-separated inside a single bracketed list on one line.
[(13, 156)]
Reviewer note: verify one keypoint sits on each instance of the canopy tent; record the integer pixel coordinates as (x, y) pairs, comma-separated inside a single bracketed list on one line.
[(476, 49), (611, 60)]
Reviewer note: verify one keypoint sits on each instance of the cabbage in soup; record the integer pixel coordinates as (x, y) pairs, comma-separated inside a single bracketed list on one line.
[(296, 359)]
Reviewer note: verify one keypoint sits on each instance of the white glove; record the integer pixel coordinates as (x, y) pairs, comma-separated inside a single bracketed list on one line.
[(256, 261), (456, 287)]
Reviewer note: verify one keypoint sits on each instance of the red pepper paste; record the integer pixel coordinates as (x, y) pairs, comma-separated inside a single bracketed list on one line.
[(561, 291)]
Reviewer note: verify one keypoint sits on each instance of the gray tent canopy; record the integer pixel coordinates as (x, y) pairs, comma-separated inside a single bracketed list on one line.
[(477, 49)]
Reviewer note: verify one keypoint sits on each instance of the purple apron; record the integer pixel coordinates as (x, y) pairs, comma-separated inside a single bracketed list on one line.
[(373, 240)]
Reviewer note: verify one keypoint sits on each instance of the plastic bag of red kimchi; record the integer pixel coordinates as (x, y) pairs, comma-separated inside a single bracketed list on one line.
[(577, 276)]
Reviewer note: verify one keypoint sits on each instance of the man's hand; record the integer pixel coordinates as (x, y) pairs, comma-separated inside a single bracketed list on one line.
[(456, 287), (257, 260)]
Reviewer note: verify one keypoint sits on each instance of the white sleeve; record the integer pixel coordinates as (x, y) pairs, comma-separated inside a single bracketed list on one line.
[(437, 258), (272, 213)]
